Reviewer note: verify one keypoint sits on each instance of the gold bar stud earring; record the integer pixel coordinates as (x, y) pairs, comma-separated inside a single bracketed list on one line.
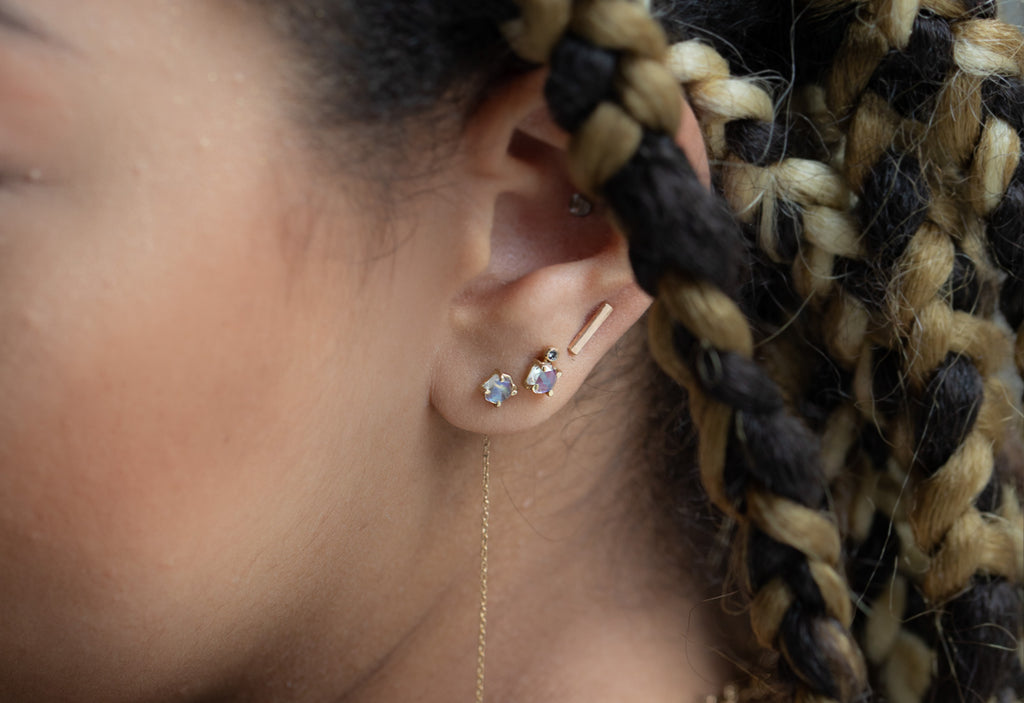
[(593, 324)]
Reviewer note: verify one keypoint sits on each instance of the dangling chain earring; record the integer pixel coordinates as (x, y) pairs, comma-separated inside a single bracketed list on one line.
[(497, 389), (485, 523)]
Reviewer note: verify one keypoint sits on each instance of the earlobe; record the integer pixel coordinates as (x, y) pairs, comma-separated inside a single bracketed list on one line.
[(499, 375)]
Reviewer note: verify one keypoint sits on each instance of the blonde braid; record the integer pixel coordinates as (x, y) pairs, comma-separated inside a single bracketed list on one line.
[(616, 144)]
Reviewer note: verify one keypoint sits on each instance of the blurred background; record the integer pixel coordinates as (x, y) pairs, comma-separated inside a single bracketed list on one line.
[(1013, 10)]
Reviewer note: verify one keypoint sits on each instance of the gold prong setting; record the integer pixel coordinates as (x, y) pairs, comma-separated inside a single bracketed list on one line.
[(499, 388), (543, 375)]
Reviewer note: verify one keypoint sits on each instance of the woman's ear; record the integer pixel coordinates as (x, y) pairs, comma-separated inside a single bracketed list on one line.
[(546, 270)]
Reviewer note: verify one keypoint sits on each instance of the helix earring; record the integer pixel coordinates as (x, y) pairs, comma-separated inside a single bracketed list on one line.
[(579, 206), (593, 324), (499, 388), (542, 376)]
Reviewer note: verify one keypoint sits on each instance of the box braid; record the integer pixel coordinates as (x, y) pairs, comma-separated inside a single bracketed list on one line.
[(997, 171), (920, 71), (924, 260), (877, 224), (610, 88), (778, 187), (921, 269)]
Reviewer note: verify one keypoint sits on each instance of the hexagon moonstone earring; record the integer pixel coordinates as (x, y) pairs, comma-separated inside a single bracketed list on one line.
[(542, 376), (499, 388)]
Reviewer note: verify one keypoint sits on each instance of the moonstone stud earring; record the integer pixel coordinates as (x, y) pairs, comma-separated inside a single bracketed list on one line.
[(542, 376), (499, 388)]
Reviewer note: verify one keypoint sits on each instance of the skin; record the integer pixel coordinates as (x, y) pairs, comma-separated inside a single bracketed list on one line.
[(240, 428)]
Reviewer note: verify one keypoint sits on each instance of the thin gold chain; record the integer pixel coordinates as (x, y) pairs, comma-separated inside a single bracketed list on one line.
[(485, 522)]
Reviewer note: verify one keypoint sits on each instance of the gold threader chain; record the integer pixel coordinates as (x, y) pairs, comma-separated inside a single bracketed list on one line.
[(481, 647)]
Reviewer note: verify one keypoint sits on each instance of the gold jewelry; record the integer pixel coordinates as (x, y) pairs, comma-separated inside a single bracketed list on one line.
[(542, 376), (593, 324), (485, 524)]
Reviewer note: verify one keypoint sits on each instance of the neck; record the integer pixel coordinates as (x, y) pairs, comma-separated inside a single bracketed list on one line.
[(579, 609), (582, 604)]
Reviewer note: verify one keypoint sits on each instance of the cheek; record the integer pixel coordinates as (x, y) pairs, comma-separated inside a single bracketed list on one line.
[(150, 382), (166, 387), (122, 375)]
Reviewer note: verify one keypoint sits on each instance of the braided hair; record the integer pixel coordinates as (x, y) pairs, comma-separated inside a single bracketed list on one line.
[(843, 314)]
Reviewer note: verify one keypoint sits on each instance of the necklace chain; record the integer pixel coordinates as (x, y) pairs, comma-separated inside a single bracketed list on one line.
[(485, 521)]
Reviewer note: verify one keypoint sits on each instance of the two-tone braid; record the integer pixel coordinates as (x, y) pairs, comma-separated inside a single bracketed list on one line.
[(781, 193), (993, 58), (610, 89), (910, 82), (797, 212)]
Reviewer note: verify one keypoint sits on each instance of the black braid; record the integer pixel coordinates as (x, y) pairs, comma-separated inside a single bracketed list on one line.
[(888, 385), (766, 143), (910, 79), (863, 280), (980, 658), (644, 195), (873, 444), (948, 410), (894, 204), (874, 560), (963, 286), (827, 388), (574, 99), (1003, 97), (768, 297)]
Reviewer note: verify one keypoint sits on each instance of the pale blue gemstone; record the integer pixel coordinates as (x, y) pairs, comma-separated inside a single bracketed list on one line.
[(498, 388)]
